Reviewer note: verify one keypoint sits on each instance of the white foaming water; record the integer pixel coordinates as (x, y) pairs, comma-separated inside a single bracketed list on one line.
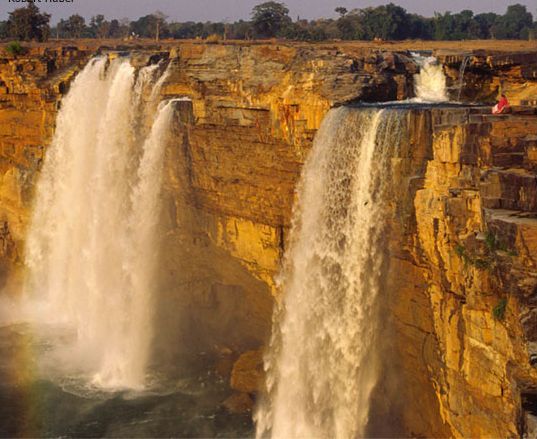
[(323, 359), (92, 246), (430, 82)]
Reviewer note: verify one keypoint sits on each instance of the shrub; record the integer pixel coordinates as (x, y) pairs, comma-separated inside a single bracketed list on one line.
[(499, 310), (461, 253), (14, 48), (488, 259), (490, 241), (481, 263), (213, 39)]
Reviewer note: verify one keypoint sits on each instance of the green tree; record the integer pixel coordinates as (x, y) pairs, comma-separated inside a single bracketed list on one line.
[(485, 22), (28, 24), (115, 30), (74, 26), (3, 30), (145, 26), (151, 26), (532, 35), (456, 26), (125, 27), (444, 25), (341, 11), (99, 26), (465, 26), (241, 30), (269, 18), (389, 22), (420, 27), (160, 18), (514, 24), (350, 26), (300, 30), (59, 30), (185, 30)]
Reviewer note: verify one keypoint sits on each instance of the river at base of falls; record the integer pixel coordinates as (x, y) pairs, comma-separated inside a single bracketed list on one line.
[(38, 400)]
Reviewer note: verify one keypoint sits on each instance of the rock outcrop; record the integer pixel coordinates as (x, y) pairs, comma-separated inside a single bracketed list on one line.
[(480, 75), (480, 275), (461, 304)]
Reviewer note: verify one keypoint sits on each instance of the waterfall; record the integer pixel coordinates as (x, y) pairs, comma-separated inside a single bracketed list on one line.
[(430, 82), (92, 246), (462, 69), (323, 358)]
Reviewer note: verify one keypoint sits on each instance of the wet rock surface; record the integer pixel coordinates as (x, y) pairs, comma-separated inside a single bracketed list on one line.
[(461, 306)]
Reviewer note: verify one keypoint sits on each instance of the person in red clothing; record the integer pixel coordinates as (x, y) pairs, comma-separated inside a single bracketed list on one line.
[(502, 106)]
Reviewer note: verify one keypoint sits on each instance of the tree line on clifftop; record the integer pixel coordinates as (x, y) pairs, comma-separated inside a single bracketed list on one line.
[(271, 20)]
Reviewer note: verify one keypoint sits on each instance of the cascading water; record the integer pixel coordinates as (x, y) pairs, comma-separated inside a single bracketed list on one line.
[(323, 359), (430, 82), (462, 69), (92, 246)]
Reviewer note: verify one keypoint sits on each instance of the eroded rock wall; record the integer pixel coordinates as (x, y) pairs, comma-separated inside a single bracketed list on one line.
[(462, 280), (232, 171), (481, 76), (31, 87), (480, 271)]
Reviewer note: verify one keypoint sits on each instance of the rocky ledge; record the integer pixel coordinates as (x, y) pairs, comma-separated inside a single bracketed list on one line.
[(462, 305)]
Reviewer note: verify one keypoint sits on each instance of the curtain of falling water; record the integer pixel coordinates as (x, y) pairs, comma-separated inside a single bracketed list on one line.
[(91, 246), (430, 82), (322, 362)]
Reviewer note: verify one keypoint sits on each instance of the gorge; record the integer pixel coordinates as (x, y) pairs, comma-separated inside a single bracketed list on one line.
[(434, 231)]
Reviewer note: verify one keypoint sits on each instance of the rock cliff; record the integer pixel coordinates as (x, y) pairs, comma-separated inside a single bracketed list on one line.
[(478, 75), (463, 277), (465, 287)]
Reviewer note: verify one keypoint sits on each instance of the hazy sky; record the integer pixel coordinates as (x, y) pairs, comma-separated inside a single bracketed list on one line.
[(217, 10)]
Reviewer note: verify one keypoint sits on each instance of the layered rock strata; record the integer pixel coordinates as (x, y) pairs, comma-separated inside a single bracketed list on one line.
[(479, 75), (462, 333)]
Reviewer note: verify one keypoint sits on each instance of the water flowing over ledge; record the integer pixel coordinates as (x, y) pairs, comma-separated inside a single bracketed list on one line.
[(231, 173), (323, 360), (92, 247), (430, 82)]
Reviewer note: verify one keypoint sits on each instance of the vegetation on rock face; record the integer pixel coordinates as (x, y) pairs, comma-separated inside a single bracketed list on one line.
[(484, 258), (480, 263), (499, 309), (14, 48), (271, 19)]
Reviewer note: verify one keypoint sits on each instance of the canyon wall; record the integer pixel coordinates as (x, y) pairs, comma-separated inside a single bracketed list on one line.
[(461, 336), (465, 281)]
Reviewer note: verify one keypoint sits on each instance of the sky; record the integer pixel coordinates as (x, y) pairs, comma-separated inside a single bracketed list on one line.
[(231, 10)]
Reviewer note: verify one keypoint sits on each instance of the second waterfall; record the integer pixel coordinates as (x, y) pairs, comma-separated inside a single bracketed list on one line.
[(92, 244), (323, 360)]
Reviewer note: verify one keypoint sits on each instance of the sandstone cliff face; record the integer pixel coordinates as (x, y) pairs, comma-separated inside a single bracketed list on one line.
[(479, 75), (462, 276), (31, 87), (480, 274), (232, 172)]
